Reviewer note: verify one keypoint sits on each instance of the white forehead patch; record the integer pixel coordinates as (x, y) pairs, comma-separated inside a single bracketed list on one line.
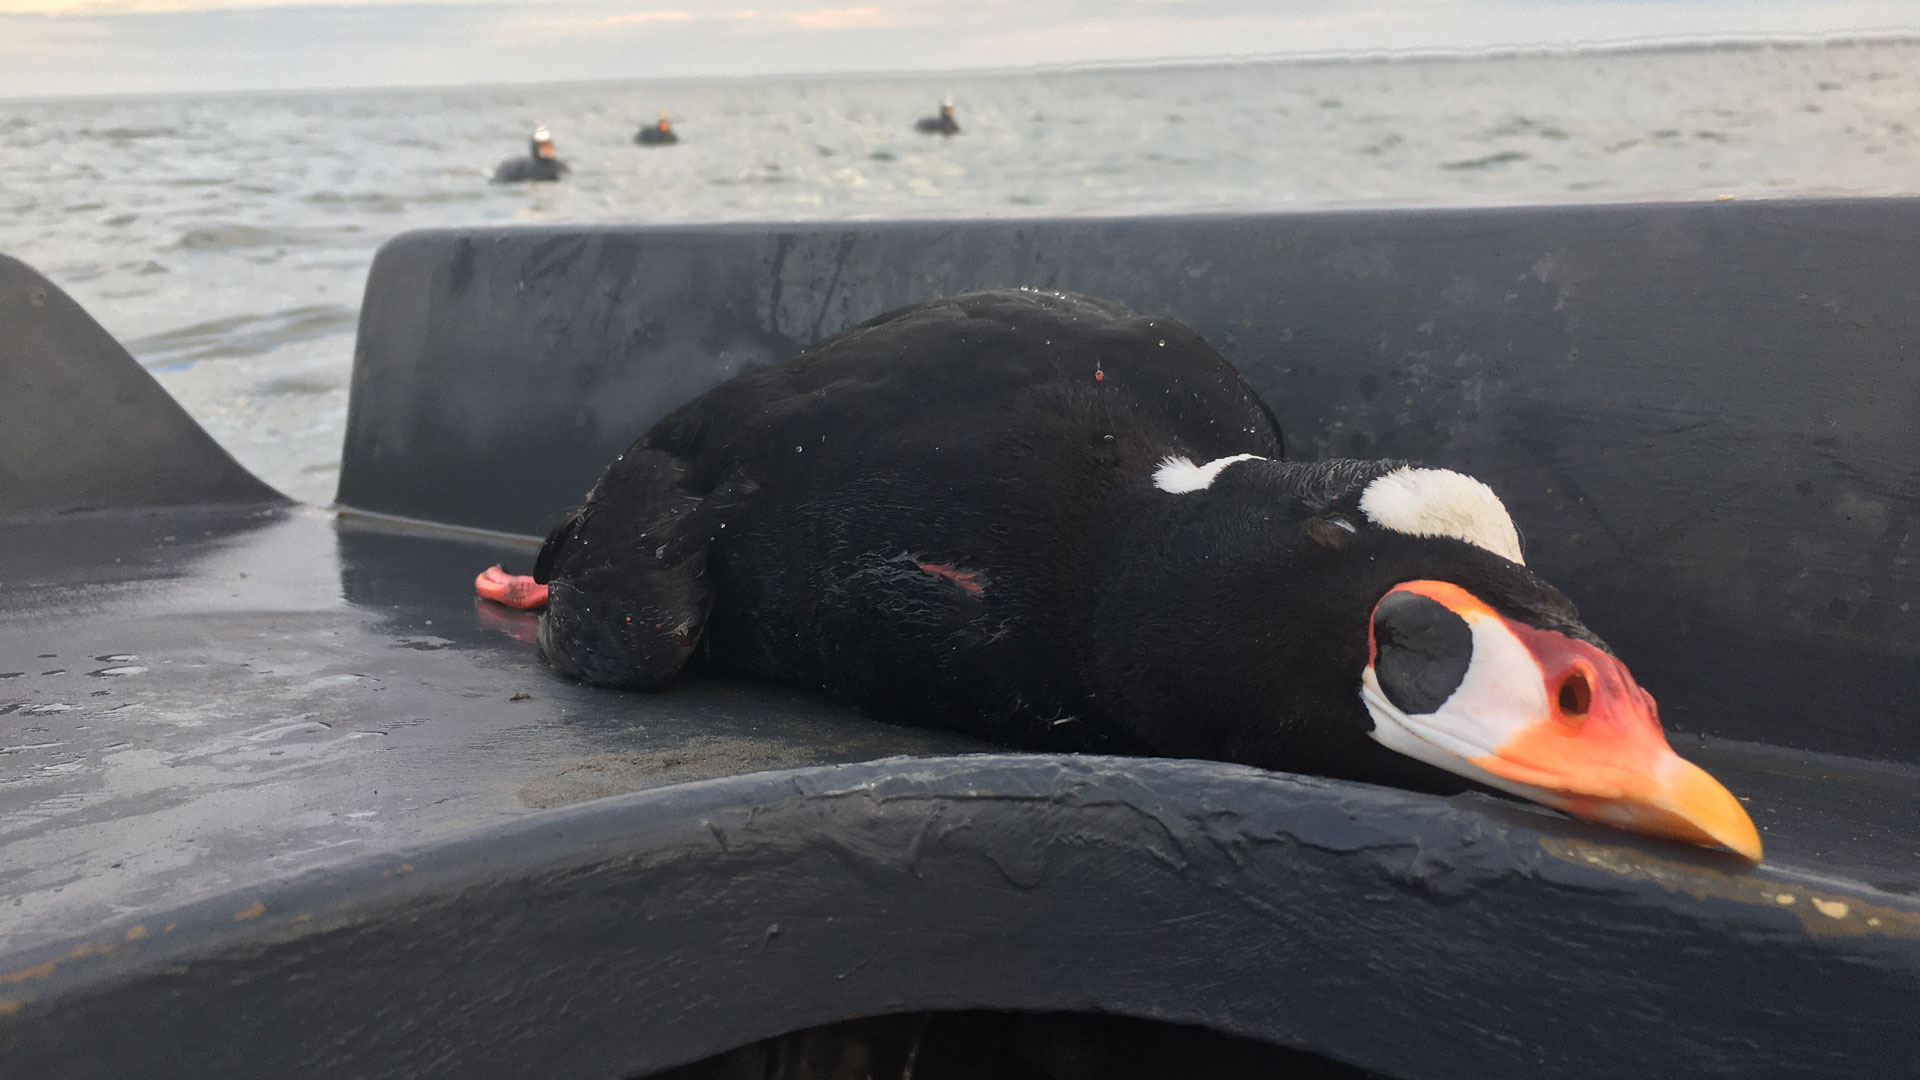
[(1441, 502), (1180, 475)]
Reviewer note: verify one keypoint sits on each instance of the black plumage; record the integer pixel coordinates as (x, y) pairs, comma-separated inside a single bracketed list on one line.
[(660, 134), (947, 516), (527, 168)]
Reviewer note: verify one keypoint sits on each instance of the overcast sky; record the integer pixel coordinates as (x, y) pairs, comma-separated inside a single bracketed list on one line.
[(67, 47)]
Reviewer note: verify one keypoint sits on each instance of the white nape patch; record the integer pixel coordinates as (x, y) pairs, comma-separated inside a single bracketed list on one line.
[(1180, 475), (1441, 502)]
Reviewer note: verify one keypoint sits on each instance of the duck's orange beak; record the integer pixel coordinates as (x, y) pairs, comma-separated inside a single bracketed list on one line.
[(1539, 714)]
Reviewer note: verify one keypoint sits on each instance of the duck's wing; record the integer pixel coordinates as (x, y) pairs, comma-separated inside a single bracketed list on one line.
[(556, 542)]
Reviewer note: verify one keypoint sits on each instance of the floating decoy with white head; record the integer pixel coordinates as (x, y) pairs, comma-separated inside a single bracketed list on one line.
[(539, 163)]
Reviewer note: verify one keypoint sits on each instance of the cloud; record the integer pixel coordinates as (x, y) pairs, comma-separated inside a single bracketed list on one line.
[(582, 25), (753, 19), (81, 9), (839, 18), (184, 45)]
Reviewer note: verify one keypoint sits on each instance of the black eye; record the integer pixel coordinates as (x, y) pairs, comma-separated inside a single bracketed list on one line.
[(1421, 651)]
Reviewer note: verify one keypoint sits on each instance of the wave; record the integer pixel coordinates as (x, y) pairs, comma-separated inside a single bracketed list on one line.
[(370, 201), (128, 134), (296, 386), (765, 174), (222, 237), (1504, 157), (241, 335)]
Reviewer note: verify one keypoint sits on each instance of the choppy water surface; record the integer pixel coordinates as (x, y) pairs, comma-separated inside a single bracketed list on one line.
[(226, 239)]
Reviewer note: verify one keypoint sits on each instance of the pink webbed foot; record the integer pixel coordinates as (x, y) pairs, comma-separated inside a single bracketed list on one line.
[(517, 591)]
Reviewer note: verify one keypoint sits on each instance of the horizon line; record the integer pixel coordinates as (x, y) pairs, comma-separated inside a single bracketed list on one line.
[(1656, 44)]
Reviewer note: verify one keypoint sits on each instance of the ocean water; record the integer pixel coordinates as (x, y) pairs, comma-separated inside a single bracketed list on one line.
[(225, 239)]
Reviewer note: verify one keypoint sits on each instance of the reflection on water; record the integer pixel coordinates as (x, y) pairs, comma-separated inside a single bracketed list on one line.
[(226, 238)]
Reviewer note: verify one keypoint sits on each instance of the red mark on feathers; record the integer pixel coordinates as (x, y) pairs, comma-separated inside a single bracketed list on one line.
[(1099, 375), (962, 578), (514, 590)]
